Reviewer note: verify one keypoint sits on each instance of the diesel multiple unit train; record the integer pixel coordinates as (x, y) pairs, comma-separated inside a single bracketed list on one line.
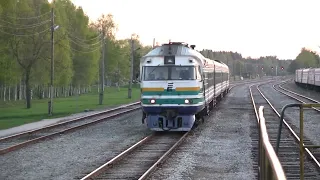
[(179, 86), (308, 78)]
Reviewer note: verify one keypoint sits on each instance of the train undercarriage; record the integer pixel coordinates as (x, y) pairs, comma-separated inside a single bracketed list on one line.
[(178, 118)]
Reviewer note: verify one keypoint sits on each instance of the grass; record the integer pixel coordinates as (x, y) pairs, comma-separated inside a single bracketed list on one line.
[(15, 113)]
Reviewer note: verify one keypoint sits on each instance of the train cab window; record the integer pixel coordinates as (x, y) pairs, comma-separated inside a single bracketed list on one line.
[(161, 76), (151, 77), (154, 73), (183, 73)]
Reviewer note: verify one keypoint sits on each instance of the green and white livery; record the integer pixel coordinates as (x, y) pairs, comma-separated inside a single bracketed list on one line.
[(178, 86)]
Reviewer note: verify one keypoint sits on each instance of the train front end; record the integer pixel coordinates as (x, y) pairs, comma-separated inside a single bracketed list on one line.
[(171, 88)]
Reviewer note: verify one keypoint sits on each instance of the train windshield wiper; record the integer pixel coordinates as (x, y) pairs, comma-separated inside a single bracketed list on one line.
[(153, 70)]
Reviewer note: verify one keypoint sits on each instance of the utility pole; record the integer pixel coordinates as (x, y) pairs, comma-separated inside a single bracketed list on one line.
[(102, 69), (319, 59), (98, 81), (52, 63), (131, 70), (276, 72), (118, 76), (240, 70), (234, 74)]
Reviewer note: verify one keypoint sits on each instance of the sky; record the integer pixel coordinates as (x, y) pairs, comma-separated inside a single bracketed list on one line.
[(251, 27)]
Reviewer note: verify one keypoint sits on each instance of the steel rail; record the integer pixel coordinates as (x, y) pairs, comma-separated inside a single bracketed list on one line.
[(67, 122), (306, 97), (310, 99), (105, 166), (125, 153), (31, 141), (275, 163), (290, 129), (163, 157)]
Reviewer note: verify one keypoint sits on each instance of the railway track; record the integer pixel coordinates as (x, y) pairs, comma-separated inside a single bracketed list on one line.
[(289, 145), (296, 96), (17, 141), (138, 161), (235, 84)]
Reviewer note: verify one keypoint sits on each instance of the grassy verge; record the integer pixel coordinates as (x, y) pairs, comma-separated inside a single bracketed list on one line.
[(14, 113)]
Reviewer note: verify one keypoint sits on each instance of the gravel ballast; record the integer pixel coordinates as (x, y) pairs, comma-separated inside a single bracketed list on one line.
[(73, 155), (218, 149), (47, 122), (292, 115)]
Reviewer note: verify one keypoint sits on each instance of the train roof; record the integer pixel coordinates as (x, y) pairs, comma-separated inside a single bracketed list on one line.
[(308, 69), (180, 49), (174, 49)]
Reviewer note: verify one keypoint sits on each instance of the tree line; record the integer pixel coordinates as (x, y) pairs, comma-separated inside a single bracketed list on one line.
[(305, 59), (25, 43), (249, 67), (264, 65)]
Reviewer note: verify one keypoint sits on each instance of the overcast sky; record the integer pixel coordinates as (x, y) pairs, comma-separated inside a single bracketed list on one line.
[(252, 27)]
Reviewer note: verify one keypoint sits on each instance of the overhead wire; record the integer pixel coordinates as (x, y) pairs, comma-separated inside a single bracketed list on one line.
[(27, 18), (87, 48), (23, 35), (85, 44), (89, 51), (82, 43), (26, 26), (17, 27), (80, 39), (84, 40), (33, 17)]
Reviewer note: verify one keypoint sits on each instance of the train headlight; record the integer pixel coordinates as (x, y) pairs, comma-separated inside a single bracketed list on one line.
[(152, 101), (186, 101)]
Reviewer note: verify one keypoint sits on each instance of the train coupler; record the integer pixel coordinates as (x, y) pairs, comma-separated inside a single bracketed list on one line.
[(161, 123), (144, 115)]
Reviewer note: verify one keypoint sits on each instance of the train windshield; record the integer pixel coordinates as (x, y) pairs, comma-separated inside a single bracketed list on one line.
[(154, 73)]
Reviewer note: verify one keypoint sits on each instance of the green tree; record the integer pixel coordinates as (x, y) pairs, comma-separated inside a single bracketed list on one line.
[(307, 58), (29, 36)]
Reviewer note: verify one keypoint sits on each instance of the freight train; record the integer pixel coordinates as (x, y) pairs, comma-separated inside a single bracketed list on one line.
[(309, 78), (179, 86)]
